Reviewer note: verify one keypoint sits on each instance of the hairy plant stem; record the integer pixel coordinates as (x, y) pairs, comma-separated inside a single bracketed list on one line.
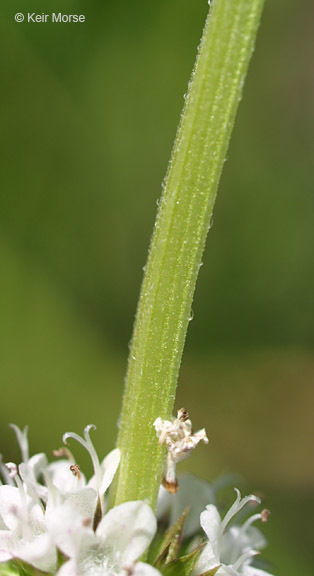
[(177, 244)]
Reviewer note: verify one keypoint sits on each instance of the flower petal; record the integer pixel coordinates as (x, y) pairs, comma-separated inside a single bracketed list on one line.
[(68, 569), (210, 556), (108, 468), (35, 489), (10, 504), (3, 525), (5, 546), (211, 524), (227, 571), (69, 531), (84, 501), (37, 463), (237, 506), (62, 477), (128, 530), (142, 569), (40, 552)]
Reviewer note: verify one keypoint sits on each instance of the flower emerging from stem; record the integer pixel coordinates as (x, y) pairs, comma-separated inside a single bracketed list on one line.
[(180, 440)]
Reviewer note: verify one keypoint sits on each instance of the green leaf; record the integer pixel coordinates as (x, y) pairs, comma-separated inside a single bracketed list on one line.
[(161, 561), (8, 569), (184, 565), (211, 572), (170, 544), (25, 569)]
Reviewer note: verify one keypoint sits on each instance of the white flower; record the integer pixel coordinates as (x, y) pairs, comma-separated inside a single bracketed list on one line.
[(65, 481), (121, 537), (180, 440), (34, 493), (23, 532), (231, 548)]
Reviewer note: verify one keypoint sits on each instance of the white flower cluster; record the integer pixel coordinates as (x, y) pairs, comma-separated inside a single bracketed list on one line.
[(47, 508), (231, 547), (54, 520)]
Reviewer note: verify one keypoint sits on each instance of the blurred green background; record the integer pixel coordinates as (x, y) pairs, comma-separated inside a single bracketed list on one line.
[(88, 117)]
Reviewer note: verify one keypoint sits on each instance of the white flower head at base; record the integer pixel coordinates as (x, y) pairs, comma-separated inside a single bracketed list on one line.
[(113, 549), (232, 548), (180, 440)]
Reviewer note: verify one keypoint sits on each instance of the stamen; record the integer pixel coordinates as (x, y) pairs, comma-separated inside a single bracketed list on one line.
[(183, 415), (5, 473), (88, 445), (53, 492), (236, 507), (86, 522), (63, 452), (265, 515), (75, 469), (24, 509), (21, 436), (243, 558), (12, 469), (250, 521), (237, 545)]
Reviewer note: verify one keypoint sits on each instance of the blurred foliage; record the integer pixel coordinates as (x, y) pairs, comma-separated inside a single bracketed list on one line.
[(88, 117)]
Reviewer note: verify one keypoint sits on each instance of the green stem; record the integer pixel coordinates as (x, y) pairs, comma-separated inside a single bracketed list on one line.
[(178, 241)]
